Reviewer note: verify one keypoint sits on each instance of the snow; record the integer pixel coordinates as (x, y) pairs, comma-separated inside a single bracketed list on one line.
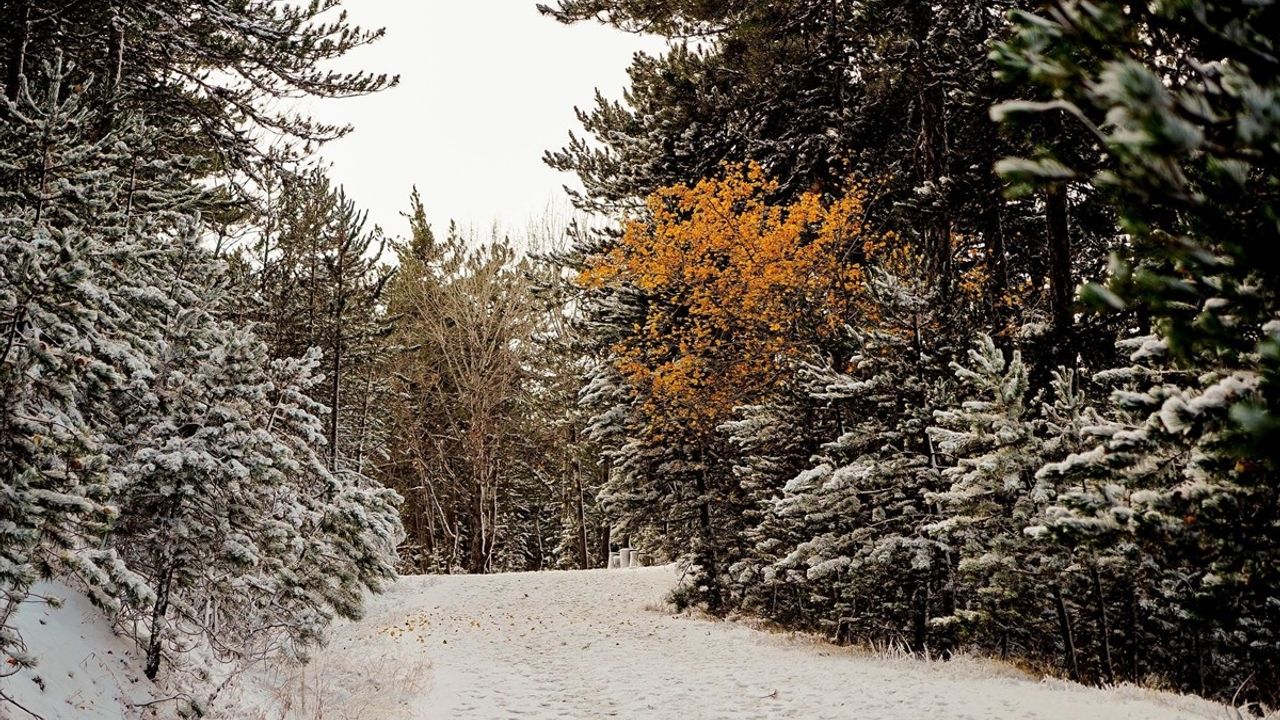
[(87, 672), (597, 644), (552, 645)]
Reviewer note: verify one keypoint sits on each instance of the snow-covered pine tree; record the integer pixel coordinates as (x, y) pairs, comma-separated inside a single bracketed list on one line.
[(846, 535), (1007, 583), (315, 278), (989, 438), (114, 361), (228, 506), (74, 294), (773, 442), (1153, 502), (807, 89), (556, 421), (1187, 467), (212, 82)]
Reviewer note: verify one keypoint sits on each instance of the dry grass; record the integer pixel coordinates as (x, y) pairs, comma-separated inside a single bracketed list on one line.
[(336, 687)]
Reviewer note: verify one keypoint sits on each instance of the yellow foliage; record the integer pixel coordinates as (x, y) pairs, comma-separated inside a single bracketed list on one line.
[(739, 288)]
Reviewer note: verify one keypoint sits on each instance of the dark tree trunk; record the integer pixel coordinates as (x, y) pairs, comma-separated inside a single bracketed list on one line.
[(710, 566), (115, 59), (579, 499), (920, 619), (998, 259), (158, 613), (475, 548), (1061, 284), (605, 541), (21, 38), (932, 146), (1068, 638), (584, 561), (1132, 631), (335, 384), (1198, 646), (1104, 628)]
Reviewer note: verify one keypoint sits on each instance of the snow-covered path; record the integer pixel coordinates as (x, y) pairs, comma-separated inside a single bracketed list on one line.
[(598, 644)]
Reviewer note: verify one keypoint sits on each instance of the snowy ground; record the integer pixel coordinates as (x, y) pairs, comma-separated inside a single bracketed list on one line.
[(598, 644), (85, 671)]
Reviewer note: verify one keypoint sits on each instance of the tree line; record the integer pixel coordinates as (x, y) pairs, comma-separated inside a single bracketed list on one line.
[(945, 326), (451, 373), (949, 326), (156, 452), (230, 406)]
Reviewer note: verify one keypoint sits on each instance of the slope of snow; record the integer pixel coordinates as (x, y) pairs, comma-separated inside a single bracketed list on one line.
[(598, 644), (84, 671)]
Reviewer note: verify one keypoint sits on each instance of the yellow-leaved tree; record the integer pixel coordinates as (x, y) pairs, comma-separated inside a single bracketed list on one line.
[(737, 289)]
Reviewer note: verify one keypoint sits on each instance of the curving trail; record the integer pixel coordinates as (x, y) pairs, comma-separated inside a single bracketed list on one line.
[(597, 644)]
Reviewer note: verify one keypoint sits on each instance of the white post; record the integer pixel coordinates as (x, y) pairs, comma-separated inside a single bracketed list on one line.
[(624, 557), (614, 563)]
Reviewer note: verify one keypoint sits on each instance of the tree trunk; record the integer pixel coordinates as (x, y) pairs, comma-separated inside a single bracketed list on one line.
[(1104, 628), (1064, 626), (1198, 647), (335, 388), (18, 52), (710, 566), (158, 613), (584, 561), (932, 146), (1061, 286), (477, 535), (605, 542), (579, 500), (997, 255), (920, 619), (115, 51), (1131, 620)]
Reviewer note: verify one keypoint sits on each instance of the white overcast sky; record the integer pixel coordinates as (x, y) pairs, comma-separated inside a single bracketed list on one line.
[(485, 87)]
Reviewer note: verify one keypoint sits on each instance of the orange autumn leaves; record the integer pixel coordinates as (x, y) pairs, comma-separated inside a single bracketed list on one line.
[(738, 288)]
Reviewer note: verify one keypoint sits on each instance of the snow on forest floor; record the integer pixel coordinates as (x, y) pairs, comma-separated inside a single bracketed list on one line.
[(84, 670), (599, 644)]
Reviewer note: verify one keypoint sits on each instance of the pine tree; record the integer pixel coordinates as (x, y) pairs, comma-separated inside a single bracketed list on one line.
[(153, 455), (74, 301), (990, 439), (713, 295), (211, 83), (846, 535), (1184, 474), (316, 278), (997, 439), (228, 506), (894, 93)]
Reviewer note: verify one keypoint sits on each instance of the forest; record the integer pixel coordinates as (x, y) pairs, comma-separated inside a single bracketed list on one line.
[(950, 327)]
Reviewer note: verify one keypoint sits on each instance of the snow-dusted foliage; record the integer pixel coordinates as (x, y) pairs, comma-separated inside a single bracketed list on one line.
[(1160, 493), (1093, 487), (988, 440), (151, 454), (1178, 488), (228, 506), (840, 544), (74, 292)]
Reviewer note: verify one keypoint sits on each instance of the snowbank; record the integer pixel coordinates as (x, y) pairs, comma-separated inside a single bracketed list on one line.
[(84, 670)]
